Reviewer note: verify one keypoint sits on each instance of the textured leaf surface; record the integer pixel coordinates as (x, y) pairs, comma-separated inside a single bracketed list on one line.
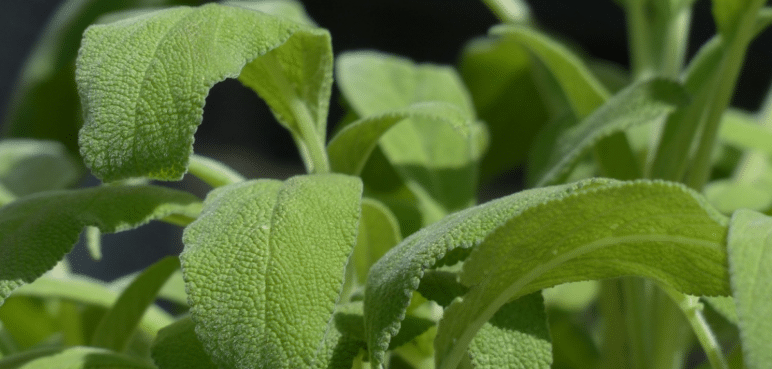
[(438, 162), (639, 104), (29, 166), (87, 358), (547, 236), (649, 229), (177, 347), (143, 82), (264, 265), (750, 258), (119, 323), (516, 337), (37, 231)]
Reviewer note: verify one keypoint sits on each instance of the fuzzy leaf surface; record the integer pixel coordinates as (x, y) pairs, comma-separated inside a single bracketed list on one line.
[(37, 231), (262, 289), (177, 347), (143, 82), (612, 229), (750, 256)]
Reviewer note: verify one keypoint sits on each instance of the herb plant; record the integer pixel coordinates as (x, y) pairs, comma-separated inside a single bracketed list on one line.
[(631, 248)]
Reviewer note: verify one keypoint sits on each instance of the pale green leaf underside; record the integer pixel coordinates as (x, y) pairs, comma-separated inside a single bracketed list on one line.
[(37, 231), (143, 82), (642, 103), (643, 228), (119, 323), (582, 90), (438, 162), (750, 256), (351, 147), (177, 347), (30, 166), (264, 265)]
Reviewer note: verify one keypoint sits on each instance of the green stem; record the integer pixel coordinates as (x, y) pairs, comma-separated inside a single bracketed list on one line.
[(310, 142), (509, 11), (6, 195), (213, 172), (639, 33), (692, 309), (727, 73)]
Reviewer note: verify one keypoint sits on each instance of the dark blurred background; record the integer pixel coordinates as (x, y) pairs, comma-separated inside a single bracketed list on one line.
[(239, 129)]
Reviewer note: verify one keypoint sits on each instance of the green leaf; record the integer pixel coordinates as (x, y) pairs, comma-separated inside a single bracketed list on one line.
[(351, 147), (516, 337), (173, 290), (349, 319), (729, 13), (118, 325), (547, 236), (750, 254), (90, 292), (441, 287), (143, 99), (582, 90), (498, 74), (289, 9), (263, 289), (17, 360), (641, 103), (30, 166), (611, 229), (177, 347), (48, 76), (437, 162), (378, 233), (87, 358), (37, 231)]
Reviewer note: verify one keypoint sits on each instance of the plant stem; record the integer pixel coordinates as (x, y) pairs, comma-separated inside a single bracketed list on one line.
[(692, 309), (212, 172)]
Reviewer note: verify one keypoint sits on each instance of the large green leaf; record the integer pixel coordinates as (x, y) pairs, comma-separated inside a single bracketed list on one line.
[(29, 166), (264, 266), (37, 231), (87, 358), (438, 162), (119, 323), (750, 256), (649, 229), (177, 347), (143, 82), (547, 236), (642, 103), (48, 76)]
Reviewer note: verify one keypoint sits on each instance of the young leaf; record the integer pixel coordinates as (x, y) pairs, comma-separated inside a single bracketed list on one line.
[(143, 95), (378, 233), (351, 147), (38, 230), (87, 358), (750, 254), (119, 323), (649, 229), (437, 162), (177, 347), (30, 166), (638, 104), (262, 289)]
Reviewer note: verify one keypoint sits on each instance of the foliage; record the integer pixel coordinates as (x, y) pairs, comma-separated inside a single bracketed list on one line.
[(379, 256)]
